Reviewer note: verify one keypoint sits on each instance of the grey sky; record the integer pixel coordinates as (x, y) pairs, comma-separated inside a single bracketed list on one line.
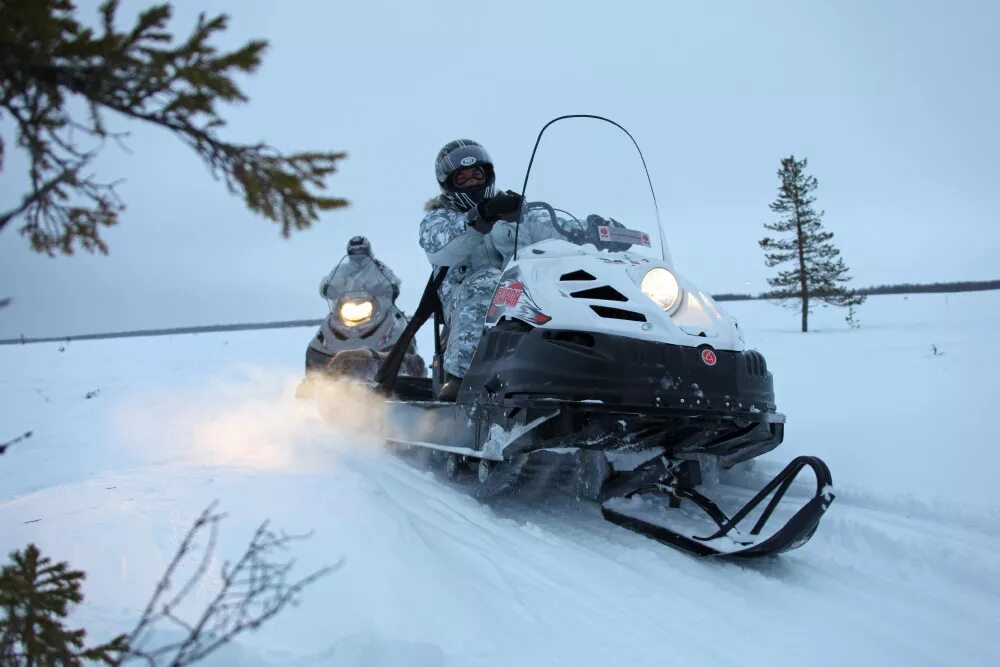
[(893, 103)]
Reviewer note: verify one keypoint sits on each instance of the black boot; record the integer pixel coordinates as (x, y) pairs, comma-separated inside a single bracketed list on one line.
[(449, 390)]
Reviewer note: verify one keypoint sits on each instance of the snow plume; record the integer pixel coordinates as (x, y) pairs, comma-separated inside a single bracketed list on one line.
[(250, 418)]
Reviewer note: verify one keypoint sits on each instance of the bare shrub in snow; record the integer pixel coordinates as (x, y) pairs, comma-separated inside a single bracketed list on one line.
[(35, 598), (20, 438), (253, 589)]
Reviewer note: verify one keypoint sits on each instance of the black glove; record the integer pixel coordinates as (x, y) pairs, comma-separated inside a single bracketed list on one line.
[(480, 224), (504, 206)]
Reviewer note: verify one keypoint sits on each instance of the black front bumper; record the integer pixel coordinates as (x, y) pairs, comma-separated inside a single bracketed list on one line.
[(583, 366), (617, 392)]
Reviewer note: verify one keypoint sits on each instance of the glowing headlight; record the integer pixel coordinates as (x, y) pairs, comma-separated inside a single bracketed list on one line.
[(353, 313), (661, 286)]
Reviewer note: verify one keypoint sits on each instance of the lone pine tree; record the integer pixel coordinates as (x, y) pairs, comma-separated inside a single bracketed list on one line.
[(816, 270)]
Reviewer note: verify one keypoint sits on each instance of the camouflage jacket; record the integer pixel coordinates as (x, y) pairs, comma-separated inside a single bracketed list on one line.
[(448, 240)]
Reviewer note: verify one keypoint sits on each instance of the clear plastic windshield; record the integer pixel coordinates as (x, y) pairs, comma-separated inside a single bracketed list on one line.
[(358, 274), (588, 184)]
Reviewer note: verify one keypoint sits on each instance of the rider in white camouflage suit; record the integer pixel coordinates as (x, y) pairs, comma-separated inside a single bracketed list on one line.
[(460, 232), (456, 234)]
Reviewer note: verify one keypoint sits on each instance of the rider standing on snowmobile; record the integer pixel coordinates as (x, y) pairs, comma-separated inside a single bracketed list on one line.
[(456, 234), (361, 271)]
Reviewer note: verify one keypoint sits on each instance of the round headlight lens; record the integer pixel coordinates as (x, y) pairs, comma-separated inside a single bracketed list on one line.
[(661, 286), (353, 313)]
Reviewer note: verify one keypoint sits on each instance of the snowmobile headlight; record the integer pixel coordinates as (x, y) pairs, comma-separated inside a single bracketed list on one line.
[(661, 286), (353, 313)]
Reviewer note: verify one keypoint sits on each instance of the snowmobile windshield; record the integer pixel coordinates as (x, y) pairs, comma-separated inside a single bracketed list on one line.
[(358, 273), (587, 183)]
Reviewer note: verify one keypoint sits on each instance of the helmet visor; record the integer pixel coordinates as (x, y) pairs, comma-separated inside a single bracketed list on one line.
[(461, 158), (469, 177)]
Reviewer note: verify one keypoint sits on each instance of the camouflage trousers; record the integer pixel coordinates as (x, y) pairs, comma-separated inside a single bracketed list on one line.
[(465, 310)]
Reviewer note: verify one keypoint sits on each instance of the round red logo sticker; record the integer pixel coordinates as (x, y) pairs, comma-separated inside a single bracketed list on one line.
[(709, 357)]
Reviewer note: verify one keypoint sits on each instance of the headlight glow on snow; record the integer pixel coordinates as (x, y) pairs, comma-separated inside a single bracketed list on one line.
[(353, 313), (661, 286)]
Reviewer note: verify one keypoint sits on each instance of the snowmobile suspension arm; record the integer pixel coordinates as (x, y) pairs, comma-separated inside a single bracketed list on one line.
[(795, 532), (782, 481)]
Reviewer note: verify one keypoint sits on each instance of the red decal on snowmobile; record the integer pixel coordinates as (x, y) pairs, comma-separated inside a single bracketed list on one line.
[(508, 295), (709, 357)]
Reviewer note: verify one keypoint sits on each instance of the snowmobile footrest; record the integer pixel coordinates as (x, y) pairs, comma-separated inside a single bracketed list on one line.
[(726, 541)]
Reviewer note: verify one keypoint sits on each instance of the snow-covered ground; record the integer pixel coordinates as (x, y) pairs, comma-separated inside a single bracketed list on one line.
[(903, 570)]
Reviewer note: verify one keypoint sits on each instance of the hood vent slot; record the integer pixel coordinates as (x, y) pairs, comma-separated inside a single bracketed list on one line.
[(603, 293), (618, 314), (577, 275)]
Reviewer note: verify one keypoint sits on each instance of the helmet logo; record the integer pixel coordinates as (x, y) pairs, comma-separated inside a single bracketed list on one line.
[(468, 161), (709, 357)]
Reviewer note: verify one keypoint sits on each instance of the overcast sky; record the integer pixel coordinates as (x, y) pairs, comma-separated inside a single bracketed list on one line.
[(895, 105)]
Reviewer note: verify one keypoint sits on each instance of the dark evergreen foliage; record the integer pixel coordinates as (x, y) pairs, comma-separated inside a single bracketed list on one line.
[(728, 296), (35, 597), (49, 61), (932, 288), (899, 288), (817, 271)]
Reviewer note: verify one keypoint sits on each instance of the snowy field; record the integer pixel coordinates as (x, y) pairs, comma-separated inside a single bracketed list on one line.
[(903, 570)]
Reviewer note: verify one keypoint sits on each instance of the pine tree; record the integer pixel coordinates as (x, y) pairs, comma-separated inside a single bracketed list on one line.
[(35, 596), (817, 271), (58, 79)]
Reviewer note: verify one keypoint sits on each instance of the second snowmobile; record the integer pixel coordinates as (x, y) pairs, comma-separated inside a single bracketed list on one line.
[(363, 324), (596, 348)]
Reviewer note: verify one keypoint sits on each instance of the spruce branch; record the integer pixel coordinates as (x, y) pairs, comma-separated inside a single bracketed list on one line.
[(47, 58), (35, 597)]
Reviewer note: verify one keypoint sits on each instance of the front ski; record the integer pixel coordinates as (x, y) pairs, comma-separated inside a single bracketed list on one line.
[(629, 511)]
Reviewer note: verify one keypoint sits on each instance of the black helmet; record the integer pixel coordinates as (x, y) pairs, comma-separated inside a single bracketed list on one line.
[(460, 154), (359, 245)]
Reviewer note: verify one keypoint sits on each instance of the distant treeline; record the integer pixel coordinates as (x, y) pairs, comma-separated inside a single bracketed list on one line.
[(901, 288), (174, 331)]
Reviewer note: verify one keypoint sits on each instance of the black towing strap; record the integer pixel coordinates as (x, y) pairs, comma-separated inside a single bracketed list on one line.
[(430, 303)]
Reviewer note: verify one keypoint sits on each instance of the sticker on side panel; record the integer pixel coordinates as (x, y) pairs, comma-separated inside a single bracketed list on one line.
[(709, 357), (511, 299), (623, 235), (508, 295)]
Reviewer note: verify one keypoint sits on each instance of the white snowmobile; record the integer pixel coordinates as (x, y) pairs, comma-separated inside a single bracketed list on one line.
[(362, 326), (596, 346)]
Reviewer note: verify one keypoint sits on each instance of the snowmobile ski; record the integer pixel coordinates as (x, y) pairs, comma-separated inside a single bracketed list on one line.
[(727, 541)]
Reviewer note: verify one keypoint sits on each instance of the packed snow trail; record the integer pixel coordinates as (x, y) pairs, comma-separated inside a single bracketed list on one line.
[(898, 572)]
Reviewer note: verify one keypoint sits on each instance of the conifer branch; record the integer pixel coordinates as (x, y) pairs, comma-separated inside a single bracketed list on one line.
[(47, 57)]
